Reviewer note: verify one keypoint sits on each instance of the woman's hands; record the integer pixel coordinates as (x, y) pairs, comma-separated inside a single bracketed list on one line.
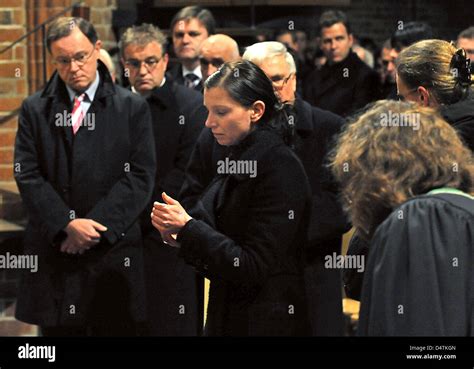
[(169, 218)]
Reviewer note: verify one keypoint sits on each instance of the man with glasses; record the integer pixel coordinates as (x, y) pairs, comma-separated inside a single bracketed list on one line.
[(85, 168), (315, 131), (178, 117), (215, 51)]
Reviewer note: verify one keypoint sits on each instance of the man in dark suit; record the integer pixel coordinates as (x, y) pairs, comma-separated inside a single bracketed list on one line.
[(178, 118), (315, 131), (84, 164), (345, 83), (190, 27)]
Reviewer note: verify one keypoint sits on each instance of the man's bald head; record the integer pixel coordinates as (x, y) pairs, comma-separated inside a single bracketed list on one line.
[(215, 51)]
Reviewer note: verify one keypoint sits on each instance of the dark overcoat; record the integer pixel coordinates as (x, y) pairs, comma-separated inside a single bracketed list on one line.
[(316, 130), (172, 286), (342, 88), (247, 237), (105, 174), (175, 72), (418, 279)]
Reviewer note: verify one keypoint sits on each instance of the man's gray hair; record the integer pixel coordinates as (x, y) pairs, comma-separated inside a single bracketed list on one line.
[(260, 51), (142, 35)]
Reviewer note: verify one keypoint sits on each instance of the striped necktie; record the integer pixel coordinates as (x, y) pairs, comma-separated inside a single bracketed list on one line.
[(77, 112)]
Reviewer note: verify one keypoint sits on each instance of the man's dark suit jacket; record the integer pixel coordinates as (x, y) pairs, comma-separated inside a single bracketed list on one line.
[(344, 87), (178, 117), (105, 174), (175, 72)]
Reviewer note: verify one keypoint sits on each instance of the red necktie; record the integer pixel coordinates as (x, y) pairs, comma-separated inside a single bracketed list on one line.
[(77, 112)]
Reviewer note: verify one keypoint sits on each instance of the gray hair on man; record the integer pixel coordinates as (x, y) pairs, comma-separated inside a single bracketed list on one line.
[(260, 51), (142, 35)]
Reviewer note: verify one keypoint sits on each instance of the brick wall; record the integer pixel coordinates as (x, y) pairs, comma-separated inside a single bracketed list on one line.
[(13, 79)]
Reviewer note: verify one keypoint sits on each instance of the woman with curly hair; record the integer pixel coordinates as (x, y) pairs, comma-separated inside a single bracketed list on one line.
[(430, 73), (407, 182)]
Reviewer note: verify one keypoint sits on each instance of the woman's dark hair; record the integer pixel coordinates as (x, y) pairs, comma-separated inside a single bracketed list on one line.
[(246, 83), (410, 33)]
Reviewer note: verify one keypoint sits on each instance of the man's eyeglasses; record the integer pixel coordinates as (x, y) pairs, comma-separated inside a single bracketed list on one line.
[(279, 81), (150, 63), (80, 59)]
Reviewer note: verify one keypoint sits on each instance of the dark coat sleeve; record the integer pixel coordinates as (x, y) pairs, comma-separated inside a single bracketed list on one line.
[(174, 179), (36, 192), (418, 280), (367, 89), (327, 217), (267, 234), (353, 278), (120, 208)]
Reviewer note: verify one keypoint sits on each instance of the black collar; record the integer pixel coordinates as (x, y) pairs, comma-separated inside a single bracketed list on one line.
[(304, 115), (56, 88), (164, 94)]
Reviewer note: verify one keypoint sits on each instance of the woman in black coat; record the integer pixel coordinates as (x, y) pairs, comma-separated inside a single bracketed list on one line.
[(251, 222)]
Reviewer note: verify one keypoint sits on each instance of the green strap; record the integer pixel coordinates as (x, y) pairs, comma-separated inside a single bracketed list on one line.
[(450, 190)]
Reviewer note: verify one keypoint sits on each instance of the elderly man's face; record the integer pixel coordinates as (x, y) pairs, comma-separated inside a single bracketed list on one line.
[(284, 82), (76, 58), (213, 55)]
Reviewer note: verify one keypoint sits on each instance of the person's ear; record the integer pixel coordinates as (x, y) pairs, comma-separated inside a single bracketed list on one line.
[(351, 40), (424, 97), (98, 45), (257, 110), (165, 60)]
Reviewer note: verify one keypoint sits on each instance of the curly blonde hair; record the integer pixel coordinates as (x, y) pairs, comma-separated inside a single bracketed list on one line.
[(393, 152)]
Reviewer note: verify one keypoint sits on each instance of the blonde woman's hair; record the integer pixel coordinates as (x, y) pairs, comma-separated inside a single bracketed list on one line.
[(438, 66)]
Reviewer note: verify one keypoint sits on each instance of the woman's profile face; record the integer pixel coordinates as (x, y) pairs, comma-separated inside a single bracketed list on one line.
[(229, 121)]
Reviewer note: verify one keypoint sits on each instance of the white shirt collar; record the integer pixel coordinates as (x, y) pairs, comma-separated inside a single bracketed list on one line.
[(91, 90), (161, 85), (196, 71)]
